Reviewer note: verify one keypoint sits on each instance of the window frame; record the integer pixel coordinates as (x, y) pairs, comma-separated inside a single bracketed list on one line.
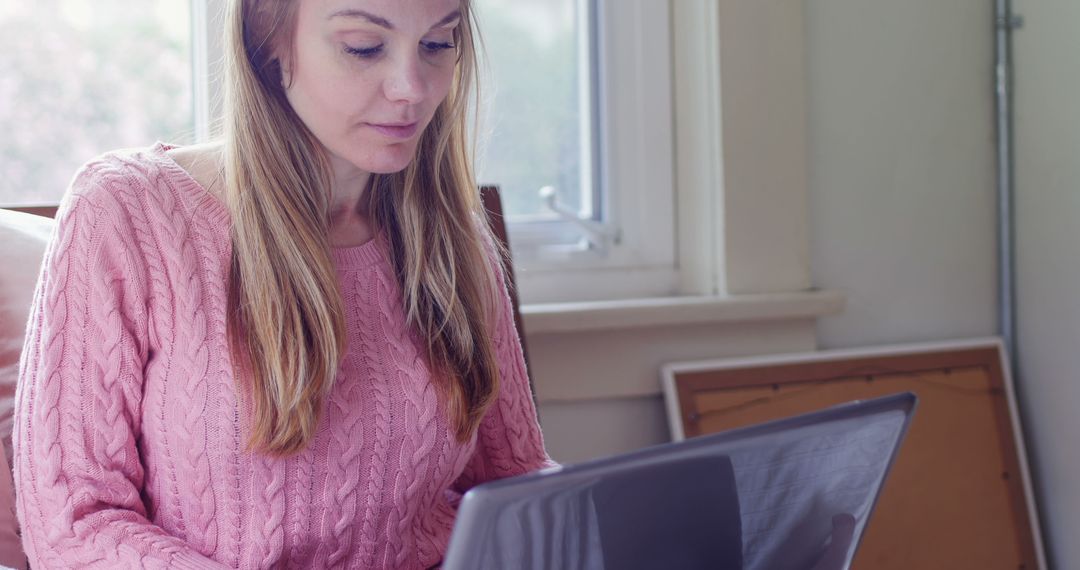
[(207, 62), (635, 168)]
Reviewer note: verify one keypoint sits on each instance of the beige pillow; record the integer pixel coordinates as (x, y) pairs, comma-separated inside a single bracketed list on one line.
[(11, 552), (23, 238)]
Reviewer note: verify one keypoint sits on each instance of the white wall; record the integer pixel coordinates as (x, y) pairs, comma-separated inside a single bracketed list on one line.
[(902, 207), (1047, 138), (599, 390), (902, 204)]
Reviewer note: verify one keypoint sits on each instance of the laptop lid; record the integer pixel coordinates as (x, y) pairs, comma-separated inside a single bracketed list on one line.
[(792, 494)]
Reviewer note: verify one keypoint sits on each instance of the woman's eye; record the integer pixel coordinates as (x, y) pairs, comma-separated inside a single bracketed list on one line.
[(364, 52), (436, 47)]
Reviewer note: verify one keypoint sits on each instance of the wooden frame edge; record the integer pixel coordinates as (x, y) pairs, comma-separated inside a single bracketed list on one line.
[(677, 402)]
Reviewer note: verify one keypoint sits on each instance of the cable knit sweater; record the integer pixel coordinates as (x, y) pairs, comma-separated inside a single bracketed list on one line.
[(130, 438)]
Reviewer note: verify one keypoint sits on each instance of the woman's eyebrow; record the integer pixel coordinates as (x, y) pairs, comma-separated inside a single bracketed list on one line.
[(451, 17), (356, 13), (384, 23)]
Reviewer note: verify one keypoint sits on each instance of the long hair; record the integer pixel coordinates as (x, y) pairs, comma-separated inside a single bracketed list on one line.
[(285, 319)]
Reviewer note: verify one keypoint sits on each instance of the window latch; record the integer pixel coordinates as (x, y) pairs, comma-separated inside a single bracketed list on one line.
[(597, 235)]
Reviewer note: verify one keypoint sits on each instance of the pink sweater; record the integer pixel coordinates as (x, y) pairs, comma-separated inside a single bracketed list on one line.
[(129, 444)]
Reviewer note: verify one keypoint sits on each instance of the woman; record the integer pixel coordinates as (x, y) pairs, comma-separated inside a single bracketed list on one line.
[(290, 349)]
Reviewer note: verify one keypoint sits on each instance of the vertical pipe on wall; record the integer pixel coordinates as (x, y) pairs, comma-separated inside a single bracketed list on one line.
[(1005, 22)]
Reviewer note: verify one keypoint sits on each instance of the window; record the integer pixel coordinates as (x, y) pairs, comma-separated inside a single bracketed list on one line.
[(538, 117), (580, 103), (78, 77)]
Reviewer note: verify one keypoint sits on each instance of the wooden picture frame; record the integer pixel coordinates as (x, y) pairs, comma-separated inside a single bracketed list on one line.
[(959, 495)]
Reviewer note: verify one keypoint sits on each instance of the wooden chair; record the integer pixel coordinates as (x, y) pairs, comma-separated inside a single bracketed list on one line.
[(46, 211), (492, 202)]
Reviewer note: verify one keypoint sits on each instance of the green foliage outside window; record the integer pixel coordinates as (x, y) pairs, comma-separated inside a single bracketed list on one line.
[(80, 77)]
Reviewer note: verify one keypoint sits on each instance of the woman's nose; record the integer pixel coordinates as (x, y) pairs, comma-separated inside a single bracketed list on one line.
[(405, 81)]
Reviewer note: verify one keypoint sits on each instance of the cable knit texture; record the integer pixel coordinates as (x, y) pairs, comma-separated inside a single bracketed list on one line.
[(129, 443)]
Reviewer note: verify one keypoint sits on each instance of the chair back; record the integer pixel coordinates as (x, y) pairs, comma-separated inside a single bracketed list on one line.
[(492, 202)]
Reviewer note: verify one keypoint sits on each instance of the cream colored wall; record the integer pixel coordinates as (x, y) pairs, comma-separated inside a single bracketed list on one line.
[(1047, 176), (902, 207), (599, 391)]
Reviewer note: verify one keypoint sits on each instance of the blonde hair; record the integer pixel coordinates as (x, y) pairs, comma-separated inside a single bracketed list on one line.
[(286, 322)]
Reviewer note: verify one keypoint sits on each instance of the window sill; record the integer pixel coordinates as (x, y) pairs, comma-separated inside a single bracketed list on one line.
[(550, 318)]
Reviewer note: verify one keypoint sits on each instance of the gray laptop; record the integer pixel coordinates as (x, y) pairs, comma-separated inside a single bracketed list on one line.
[(790, 494)]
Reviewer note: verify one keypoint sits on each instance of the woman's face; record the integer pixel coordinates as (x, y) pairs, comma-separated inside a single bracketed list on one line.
[(366, 76)]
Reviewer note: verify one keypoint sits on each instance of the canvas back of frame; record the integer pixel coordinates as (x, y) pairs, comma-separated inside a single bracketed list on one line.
[(958, 495)]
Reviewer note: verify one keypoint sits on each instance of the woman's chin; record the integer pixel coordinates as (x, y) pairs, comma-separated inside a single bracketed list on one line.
[(388, 162)]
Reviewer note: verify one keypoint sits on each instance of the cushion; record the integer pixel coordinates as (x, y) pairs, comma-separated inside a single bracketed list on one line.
[(11, 552), (23, 238)]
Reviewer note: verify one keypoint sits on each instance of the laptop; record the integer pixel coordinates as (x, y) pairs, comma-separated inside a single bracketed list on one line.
[(795, 494)]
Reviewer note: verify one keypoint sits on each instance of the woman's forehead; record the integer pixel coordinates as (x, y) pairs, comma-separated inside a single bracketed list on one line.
[(390, 14)]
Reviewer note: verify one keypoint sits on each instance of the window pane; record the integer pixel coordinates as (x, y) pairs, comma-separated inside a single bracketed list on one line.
[(80, 77), (536, 116)]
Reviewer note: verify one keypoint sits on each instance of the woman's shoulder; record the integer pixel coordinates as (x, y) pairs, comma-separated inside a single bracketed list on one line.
[(114, 171), (130, 183), (203, 163)]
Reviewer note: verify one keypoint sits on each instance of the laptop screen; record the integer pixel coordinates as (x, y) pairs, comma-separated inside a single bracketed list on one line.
[(791, 494)]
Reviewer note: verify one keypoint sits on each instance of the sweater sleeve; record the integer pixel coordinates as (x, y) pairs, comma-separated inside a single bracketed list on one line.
[(78, 473), (508, 441)]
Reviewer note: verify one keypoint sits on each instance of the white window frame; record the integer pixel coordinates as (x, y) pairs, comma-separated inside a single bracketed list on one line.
[(207, 63), (730, 107), (633, 79)]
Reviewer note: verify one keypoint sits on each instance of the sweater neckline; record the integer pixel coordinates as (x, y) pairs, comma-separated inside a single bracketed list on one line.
[(350, 257)]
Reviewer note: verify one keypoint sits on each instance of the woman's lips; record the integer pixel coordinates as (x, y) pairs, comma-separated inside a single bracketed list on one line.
[(396, 131)]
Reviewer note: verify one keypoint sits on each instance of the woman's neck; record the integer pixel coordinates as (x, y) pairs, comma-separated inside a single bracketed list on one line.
[(349, 222)]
